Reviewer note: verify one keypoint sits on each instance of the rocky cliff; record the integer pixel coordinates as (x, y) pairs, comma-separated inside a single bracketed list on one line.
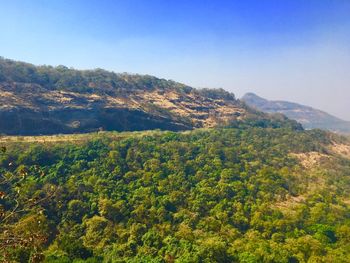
[(49, 100)]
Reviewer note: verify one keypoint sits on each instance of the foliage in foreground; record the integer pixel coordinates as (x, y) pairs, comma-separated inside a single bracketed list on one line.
[(221, 195)]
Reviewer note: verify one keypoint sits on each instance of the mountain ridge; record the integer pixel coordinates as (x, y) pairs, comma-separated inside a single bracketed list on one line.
[(308, 116), (49, 100)]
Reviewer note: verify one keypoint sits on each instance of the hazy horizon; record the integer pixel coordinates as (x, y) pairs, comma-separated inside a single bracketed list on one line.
[(281, 50)]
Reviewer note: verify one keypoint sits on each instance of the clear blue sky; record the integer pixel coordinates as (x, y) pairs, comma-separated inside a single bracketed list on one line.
[(297, 50)]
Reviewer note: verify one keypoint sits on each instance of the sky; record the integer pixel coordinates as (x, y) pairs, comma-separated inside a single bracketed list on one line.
[(296, 50)]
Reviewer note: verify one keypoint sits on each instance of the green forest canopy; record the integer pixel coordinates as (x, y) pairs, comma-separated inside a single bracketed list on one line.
[(219, 195)]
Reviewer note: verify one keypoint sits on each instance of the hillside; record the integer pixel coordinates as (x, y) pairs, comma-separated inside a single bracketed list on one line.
[(227, 183), (242, 194), (309, 117), (50, 100)]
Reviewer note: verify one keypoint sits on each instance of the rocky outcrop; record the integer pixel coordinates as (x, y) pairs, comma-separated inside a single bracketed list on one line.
[(31, 109)]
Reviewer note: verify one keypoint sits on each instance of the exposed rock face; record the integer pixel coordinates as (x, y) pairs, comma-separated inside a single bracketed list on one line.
[(309, 117), (31, 109)]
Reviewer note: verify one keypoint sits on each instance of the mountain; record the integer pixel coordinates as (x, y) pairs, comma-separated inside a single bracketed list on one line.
[(309, 117), (49, 100)]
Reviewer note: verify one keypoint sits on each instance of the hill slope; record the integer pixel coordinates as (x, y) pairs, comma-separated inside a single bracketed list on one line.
[(309, 117), (51, 100), (243, 194)]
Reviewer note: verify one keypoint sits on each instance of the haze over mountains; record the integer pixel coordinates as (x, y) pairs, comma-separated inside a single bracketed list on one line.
[(105, 167), (309, 117)]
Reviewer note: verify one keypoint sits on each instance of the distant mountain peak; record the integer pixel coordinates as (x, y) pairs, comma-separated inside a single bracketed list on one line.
[(309, 117), (257, 100)]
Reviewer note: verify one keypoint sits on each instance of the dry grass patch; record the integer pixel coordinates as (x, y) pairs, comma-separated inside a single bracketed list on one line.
[(341, 149), (311, 159), (291, 202)]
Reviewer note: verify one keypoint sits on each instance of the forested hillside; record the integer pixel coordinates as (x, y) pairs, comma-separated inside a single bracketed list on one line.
[(256, 192)]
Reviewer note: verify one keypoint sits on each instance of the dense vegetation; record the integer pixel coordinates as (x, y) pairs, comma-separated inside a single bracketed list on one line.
[(98, 81), (221, 195), (63, 78)]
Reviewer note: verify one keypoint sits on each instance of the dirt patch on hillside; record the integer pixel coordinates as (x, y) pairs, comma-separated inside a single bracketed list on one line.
[(341, 149), (291, 202), (311, 159)]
